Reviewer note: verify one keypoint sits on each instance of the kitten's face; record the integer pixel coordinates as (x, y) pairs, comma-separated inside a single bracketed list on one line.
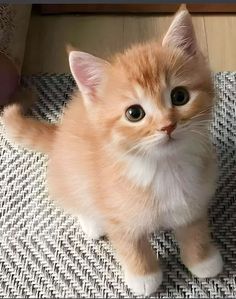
[(152, 97), (155, 97)]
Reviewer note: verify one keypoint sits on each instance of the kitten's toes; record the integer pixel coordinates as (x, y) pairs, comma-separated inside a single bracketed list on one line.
[(209, 267), (91, 227), (144, 285)]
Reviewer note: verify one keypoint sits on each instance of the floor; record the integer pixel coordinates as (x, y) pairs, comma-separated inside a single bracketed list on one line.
[(103, 35)]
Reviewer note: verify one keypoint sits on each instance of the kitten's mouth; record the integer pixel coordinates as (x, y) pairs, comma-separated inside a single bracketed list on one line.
[(167, 139), (170, 139)]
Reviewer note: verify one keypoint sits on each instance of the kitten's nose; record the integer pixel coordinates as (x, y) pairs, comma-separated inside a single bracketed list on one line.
[(169, 128)]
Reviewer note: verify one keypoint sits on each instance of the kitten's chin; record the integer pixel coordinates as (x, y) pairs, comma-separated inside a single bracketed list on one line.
[(168, 145)]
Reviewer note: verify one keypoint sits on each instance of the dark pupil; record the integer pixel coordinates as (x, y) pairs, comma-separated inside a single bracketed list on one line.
[(179, 96), (135, 112)]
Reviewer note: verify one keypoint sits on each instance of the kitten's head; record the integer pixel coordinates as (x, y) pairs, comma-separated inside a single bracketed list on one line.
[(152, 97)]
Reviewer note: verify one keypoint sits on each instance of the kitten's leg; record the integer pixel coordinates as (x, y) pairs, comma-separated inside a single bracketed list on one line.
[(198, 253), (92, 226), (143, 274)]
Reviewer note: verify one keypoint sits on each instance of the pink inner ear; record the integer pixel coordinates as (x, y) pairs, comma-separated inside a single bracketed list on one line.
[(87, 70), (181, 34), (188, 42), (87, 74)]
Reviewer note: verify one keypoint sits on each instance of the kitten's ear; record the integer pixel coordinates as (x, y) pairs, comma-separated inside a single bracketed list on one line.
[(88, 72), (181, 34)]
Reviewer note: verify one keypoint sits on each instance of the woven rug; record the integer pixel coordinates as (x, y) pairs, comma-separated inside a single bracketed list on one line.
[(44, 253)]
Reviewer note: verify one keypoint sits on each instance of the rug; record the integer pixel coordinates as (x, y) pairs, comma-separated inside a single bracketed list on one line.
[(44, 253)]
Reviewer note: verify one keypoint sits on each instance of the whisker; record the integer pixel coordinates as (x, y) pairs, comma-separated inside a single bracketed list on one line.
[(141, 147), (202, 112), (202, 124), (200, 133)]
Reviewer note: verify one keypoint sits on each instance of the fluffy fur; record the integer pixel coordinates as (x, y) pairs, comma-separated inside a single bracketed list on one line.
[(127, 179)]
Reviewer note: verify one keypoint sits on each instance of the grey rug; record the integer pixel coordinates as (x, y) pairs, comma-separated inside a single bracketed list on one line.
[(44, 253)]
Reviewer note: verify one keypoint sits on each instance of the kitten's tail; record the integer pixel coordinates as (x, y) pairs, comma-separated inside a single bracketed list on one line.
[(27, 131)]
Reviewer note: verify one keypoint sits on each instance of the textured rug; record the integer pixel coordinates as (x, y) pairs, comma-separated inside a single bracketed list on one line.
[(44, 253)]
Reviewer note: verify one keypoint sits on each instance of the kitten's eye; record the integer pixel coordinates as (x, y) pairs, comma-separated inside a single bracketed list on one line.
[(135, 113), (179, 96)]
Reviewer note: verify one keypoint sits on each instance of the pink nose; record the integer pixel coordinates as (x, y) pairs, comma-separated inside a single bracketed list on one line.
[(169, 129)]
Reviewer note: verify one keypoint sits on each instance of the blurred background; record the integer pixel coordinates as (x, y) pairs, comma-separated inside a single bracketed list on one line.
[(53, 26)]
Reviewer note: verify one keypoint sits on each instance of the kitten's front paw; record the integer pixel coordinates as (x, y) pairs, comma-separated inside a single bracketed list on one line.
[(144, 284), (91, 227), (209, 267)]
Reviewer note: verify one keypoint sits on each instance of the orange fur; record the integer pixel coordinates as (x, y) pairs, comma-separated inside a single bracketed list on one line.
[(195, 242), (88, 150), (28, 131)]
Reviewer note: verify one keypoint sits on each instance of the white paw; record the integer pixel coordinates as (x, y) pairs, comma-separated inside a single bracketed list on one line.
[(91, 227), (210, 267), (144, 285)]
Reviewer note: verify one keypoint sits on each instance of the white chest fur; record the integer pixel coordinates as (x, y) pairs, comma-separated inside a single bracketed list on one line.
[(180, 182)]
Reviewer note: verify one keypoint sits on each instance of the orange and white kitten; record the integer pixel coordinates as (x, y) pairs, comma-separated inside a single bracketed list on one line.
[(132, 153)]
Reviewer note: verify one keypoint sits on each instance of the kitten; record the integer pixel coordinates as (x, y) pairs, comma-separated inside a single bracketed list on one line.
[(132, 153)]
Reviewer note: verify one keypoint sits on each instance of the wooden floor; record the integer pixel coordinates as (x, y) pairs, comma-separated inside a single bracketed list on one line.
[(103, 35)]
